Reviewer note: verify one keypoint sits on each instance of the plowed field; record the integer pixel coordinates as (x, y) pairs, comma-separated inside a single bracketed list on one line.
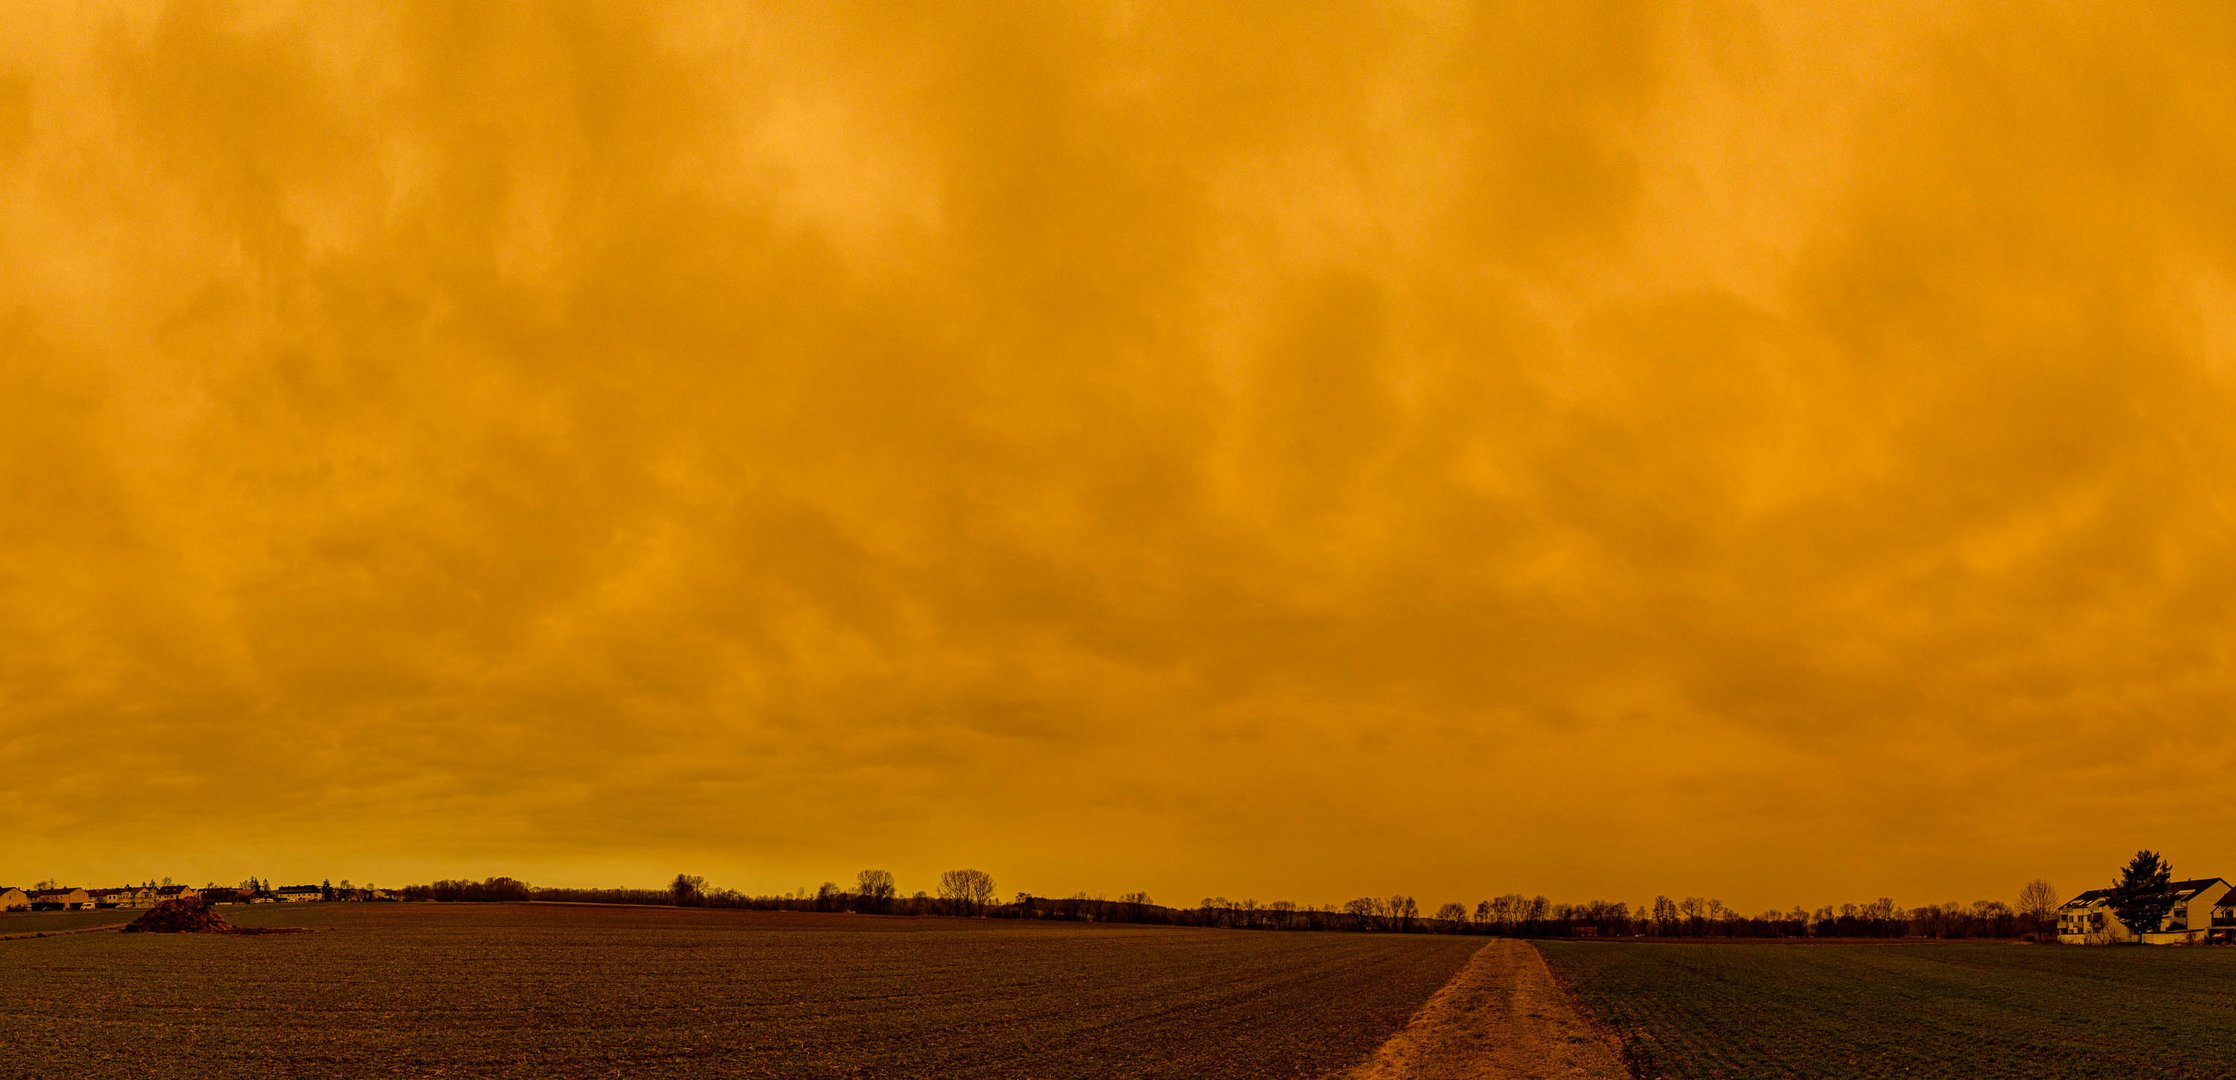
[(1976, 1011), (24, 923), (542, 990)]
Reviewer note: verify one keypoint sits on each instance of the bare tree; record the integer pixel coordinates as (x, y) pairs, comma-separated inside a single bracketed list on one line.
[(687, 889), (873, 891), (1511, 909), (1403, 910), (1453, 915), (1365, 910), (1664, 915), (1284, 913), (2038, 906), (966, 892)]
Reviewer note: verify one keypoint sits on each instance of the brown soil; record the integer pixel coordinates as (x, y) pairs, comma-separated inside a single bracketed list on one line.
[(1503, 1015), (191, 917), (180, 917)]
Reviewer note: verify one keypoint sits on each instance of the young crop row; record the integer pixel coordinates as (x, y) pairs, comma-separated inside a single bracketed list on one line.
[(1985, 1011)]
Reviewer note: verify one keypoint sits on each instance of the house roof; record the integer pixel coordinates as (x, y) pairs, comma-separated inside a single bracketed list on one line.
[(2183, 891)]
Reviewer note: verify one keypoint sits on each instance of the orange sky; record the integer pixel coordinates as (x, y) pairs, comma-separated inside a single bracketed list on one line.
[(1277, 453)]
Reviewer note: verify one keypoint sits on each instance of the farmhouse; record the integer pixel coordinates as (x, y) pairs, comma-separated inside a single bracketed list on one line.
[(14, 899), (2087, 919), (60, 900), (129, 896), (299, 894), (176, 892)]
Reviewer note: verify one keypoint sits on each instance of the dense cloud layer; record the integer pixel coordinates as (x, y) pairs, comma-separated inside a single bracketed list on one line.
[(1450, 449)]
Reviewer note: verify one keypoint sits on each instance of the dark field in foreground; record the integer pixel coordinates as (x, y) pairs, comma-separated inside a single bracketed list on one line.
[(14, 923), (539, 990), (1989, 1010)]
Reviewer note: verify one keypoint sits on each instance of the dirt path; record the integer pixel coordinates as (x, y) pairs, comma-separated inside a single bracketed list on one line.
[(1501, 1016)]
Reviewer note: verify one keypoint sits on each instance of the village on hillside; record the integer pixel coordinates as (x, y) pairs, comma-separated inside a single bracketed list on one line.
[(48, 897)]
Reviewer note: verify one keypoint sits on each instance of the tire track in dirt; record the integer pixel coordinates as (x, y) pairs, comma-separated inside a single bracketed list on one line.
[(1503, 1015)]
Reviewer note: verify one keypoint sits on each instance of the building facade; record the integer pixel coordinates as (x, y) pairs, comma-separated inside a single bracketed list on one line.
[(2088, 919), (61, 900)]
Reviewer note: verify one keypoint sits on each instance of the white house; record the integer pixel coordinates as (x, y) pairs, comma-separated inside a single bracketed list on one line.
[(12, 899), (299, 894), (2087, 919), (61, 899)]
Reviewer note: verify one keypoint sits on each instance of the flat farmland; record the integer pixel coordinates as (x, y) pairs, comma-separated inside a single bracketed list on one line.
[(13, 923), (540, 990), (1986, 1010)]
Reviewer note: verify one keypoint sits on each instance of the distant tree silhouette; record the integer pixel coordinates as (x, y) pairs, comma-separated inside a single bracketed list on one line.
[(687, 890), (1454, 917), (1665, 915), (1282, 912), (966, 892), (873, 891), (2143, 894), (2038, 906), (1403, 910), (1365, 911)]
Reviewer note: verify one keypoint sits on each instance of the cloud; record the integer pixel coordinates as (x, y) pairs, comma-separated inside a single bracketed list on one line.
[(1426, 446)]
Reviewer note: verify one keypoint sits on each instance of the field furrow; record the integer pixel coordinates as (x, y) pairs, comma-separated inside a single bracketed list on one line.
[(593, 991)]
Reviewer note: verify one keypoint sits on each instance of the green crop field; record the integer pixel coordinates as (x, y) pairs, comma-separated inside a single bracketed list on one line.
[(1975, 1011), (544, 990)]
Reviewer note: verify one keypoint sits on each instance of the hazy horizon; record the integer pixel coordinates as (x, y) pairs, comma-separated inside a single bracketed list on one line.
[(1424, 447)]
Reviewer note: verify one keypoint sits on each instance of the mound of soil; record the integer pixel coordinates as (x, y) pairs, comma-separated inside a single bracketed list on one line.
[(181, 916)]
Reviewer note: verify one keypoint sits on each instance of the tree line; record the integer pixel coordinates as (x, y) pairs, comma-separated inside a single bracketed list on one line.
[(971, 893)]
